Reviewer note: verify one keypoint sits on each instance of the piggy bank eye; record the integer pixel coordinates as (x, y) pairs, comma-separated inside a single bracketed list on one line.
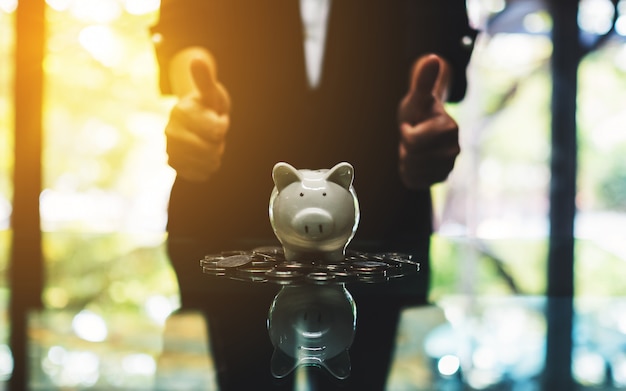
[(324, 194), (301, 194)]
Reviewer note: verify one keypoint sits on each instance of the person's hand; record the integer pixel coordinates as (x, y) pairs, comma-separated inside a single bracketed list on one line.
[(198, 124), (429, 136)]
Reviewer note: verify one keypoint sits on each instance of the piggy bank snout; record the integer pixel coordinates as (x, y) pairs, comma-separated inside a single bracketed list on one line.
[(313, 223)]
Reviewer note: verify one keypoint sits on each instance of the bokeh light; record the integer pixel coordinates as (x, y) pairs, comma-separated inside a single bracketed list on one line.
[(6, 362), (71, 368), (140, 7), (448, 365), (8, 6), (98, 11), (59, 5), (103, 44), (596, 16), (140, 364), (159, 308), (89, 326), (588, 368)]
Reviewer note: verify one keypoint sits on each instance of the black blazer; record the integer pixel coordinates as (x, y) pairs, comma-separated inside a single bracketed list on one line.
[(258, 46)]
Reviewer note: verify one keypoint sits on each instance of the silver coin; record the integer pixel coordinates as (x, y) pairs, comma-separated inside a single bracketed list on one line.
[(333, 266), (210, 259), (232, 252), (297, 266), (356, 254), (234, 261), (209, 263), (400, 257), (372, 274), (393, 264), (268, 250), (395, 272), (263, 264), (253, 270), (268, 263), (410, 267), (370, 266), (343, 276), (247, 278), (372, 279), (283, 274)]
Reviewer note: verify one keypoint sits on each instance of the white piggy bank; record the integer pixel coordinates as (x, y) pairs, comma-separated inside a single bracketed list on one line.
[(314, 213)]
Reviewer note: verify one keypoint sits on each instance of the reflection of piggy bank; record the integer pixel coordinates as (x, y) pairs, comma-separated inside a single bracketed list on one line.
[(314, 213), (312, 325)]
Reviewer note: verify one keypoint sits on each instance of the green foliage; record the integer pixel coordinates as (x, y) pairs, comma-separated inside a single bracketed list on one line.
[(612, 186), (103, 134), (462, 266), (109, 271), (103, 113), (602, 136)]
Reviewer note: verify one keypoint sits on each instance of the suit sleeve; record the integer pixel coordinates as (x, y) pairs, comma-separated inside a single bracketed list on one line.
[(442, 27), (182, 23)]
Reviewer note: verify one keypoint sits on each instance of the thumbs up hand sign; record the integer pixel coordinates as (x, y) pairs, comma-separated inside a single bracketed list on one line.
[(428, 134), (198, 123)]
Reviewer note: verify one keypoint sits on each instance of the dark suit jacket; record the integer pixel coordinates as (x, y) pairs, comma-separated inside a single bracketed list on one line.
[(258, 46)]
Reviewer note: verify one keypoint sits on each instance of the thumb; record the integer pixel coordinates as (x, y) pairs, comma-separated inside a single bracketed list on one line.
[(424, 81), (212, 94)]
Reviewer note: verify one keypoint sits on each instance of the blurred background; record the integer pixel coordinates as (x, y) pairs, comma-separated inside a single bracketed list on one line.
[(105, 182)]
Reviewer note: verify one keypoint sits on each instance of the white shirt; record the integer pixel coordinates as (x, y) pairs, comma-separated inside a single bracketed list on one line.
[(314, 14)]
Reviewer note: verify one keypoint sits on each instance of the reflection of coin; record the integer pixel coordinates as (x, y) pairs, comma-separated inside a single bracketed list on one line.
[(369, 266), (373, 279), (343, 276), (283, 274), (320, 277), (234, 261), (214, 271), (334, 266)]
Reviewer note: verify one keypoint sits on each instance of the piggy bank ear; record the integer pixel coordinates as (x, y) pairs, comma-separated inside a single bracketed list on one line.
[(342, 174), (285, 174)]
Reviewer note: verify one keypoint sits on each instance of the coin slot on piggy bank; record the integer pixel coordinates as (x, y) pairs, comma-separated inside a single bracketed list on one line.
[(314, 213), (312, 325)]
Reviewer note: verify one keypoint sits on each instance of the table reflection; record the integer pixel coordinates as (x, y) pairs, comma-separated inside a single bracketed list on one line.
[(298, 319), (312, 325), (459, 343)]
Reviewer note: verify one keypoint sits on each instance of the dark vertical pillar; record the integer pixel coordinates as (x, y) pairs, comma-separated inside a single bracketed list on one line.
[(559, 312), (26, 264)]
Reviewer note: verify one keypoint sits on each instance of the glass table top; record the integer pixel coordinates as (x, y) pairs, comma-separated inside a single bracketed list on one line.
[(315, 337)]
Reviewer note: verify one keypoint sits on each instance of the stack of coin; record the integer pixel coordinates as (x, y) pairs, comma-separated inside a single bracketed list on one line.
[(268, 264)]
